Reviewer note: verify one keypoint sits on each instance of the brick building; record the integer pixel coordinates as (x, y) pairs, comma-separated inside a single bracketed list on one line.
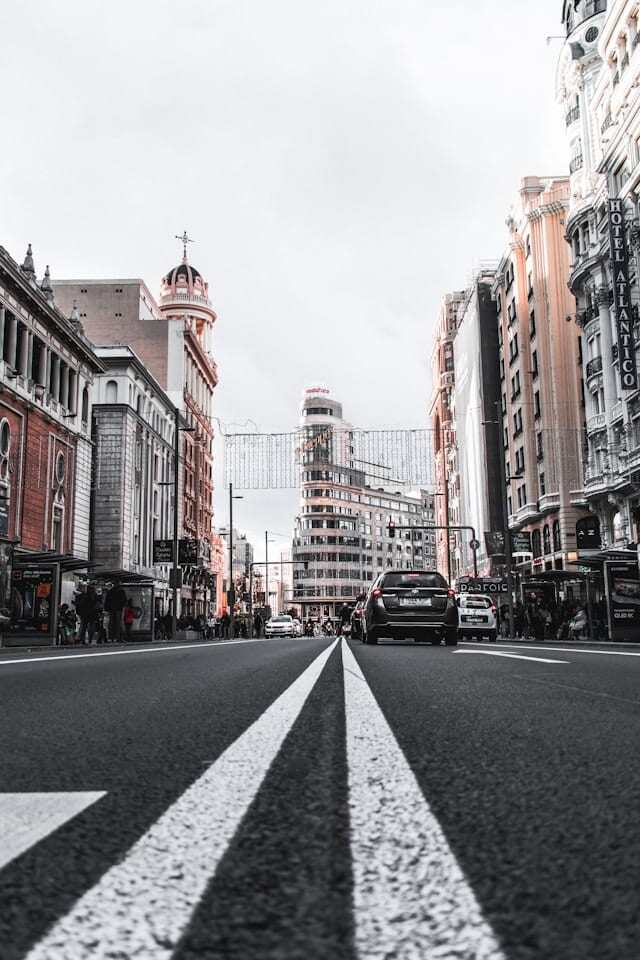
[(47, 368)]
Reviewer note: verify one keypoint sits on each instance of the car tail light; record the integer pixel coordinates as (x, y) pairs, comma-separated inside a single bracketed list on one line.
[(493, 608), (376, 593), (451, 594)]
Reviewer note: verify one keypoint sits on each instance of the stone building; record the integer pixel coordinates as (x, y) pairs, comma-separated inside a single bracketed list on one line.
[(133, 434), (173, 336), (541, 385)]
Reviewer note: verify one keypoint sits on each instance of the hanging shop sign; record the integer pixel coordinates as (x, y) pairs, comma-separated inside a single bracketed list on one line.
[(622, 586), (621, 298), (188, 551), (521, 542), (485, 585), (588, 533), (163, 551)]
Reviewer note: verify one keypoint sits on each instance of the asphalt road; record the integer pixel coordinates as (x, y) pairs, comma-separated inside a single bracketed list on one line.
[(297, 799)]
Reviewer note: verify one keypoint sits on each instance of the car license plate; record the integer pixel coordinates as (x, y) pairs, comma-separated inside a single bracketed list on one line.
[(415, 602), (474, 620)]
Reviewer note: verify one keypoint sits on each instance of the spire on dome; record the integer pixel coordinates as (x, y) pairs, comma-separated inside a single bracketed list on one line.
[(28, 266), (46, 287), (184, 239)]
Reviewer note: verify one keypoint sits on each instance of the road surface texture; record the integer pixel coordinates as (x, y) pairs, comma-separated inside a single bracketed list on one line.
[(310, 799)]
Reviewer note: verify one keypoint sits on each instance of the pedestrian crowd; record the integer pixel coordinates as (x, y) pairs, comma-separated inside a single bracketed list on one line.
[(546, 620)]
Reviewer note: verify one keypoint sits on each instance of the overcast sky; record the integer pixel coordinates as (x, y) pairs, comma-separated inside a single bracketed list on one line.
[(340, 163)]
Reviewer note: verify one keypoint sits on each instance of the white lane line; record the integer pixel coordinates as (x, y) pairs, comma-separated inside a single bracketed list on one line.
[(511, 656), (125, 653), (607, 653), (142, 905), (411, 898), (26, 818)]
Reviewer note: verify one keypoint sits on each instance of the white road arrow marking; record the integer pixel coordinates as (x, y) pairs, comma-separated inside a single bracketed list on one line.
[(510, 656), (411, 899), (142, 905), (26, 818)]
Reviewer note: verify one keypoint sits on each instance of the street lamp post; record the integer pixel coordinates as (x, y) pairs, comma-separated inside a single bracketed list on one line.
[(231, 593), (178, 429)]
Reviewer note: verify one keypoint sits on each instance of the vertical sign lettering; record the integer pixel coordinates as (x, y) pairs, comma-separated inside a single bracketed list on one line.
[(621, 301)]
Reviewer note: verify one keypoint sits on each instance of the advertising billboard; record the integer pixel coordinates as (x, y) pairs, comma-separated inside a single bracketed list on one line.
[(622, 586)]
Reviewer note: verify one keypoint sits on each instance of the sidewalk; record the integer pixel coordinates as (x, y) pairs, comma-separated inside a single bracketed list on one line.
[(8, 653), (608, 644)]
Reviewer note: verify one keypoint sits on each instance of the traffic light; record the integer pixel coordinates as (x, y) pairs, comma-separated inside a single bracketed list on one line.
[(392, 529)]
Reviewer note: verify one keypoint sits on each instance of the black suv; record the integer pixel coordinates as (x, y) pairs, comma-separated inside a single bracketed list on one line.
[(411, 603)]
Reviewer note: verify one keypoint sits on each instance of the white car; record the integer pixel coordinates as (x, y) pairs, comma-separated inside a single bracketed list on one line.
[(477, 617), (280, 626)]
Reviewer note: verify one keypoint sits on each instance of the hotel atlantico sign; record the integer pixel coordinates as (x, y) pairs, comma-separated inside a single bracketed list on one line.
[(621, 300)]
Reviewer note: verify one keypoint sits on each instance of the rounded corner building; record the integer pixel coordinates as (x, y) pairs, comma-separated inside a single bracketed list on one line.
[(341, 540)]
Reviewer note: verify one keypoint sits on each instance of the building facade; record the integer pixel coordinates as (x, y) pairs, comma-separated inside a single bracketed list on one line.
[(174, 339), (133, 428), (541, 378), (475, 500), (342, 541), (47, 368), (447, 491)]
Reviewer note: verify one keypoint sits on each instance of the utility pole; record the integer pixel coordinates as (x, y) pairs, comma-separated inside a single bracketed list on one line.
[(266, 569), (176, 467), (505, 516)]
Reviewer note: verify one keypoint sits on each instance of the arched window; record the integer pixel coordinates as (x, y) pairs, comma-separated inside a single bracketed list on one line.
[(139, 406), (536, 544), (111, 391), (557, 544), (546, 538), (85, 405)]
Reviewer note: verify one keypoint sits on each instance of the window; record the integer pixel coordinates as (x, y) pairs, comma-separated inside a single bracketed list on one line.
[(520, 460), (534, 363), (557, 544), (536, 544), (532, 324), (501, 368), (546, 539), (517, 423), (529, 286), (543, 487), (111, 391), (56, 529), (513, 348), (515, 385), (536, 405), (85, 405), (539, 446)]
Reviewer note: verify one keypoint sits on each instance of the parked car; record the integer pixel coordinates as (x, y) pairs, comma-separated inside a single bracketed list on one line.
[(478, 617), (404, 604), (280, 626)]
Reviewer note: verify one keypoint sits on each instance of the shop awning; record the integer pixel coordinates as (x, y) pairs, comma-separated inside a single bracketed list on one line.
[(68, 563), (122, 576)]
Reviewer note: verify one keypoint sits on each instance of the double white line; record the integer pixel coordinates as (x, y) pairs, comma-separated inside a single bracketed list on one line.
[(411, 898)]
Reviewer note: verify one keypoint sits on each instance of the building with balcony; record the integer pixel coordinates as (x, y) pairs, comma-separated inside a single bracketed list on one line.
[(605, 71), (446, 493), (341, 540), (173, 336), (540, 377)]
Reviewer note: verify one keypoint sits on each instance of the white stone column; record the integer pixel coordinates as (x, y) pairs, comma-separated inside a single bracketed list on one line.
[(13, 341), (42, 366), (73, 392), (2, 322), (64, 386), (23, 358), (29, 353), (55, 377)]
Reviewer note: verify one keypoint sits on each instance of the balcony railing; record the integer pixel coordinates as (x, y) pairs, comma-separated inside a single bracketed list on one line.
[(594, 366), (573, 115), (576, 163), (596, 422)]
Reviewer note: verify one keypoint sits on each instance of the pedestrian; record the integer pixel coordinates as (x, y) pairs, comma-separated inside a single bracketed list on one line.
[(257, 625), (88, 609), (114, 604), (128, 618), (225, 621)]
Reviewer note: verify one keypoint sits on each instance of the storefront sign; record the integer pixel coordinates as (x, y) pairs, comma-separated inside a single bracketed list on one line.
[(4, 513), (488, 585), (188, 552), (163, 551), (621, 299), (494, 542), (521, 542), (35, 597), (622, 585)]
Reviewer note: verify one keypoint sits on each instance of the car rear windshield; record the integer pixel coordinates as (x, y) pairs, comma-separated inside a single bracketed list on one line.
[(482, 603), (414, 580), (281, 620)]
